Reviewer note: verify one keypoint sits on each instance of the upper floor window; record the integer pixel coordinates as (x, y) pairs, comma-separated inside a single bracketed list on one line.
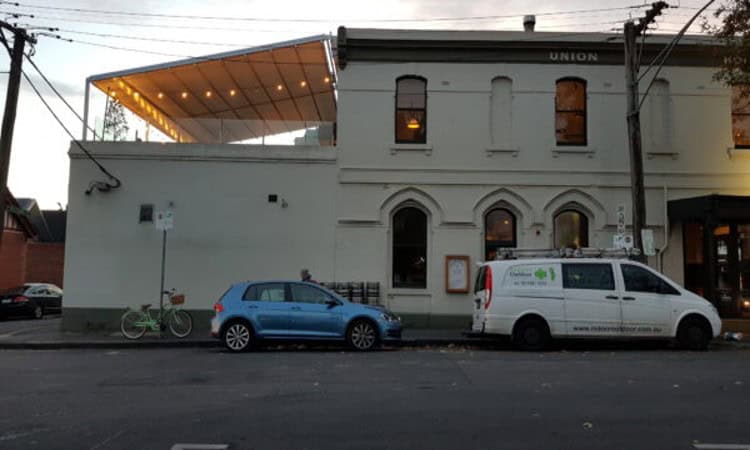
[(411, 110), (741, 116), (571, 229), (660, 126), (570, 111), (501, 112), (499, 231)]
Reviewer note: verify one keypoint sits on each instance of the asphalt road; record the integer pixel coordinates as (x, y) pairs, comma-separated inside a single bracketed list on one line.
[(450, 398)]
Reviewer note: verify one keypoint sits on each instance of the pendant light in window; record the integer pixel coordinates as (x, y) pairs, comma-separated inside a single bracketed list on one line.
[(413, 124)]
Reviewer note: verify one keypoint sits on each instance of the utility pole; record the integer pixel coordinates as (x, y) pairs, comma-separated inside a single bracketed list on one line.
[(632, 68), (11, 102)]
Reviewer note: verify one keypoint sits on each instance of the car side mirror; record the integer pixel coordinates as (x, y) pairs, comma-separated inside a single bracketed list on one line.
[(333, 302)]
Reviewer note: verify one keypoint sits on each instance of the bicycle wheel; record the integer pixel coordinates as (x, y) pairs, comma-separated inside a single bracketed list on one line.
[(180, 323), (130, 326)]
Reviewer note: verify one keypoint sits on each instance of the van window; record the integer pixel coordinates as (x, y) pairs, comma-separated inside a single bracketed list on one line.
[(588, 276), (638, 279), (479, 283)]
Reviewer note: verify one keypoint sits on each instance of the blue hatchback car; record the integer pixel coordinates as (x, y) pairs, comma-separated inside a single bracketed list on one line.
[(290, 310)]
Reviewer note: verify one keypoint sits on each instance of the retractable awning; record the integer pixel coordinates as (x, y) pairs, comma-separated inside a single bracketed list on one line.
[(232, 96)]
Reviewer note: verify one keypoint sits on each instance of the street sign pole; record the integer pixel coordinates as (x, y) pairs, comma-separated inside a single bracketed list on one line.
[(161, 286)]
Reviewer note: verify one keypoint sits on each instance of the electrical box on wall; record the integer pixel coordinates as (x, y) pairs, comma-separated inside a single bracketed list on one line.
[(146, 213)]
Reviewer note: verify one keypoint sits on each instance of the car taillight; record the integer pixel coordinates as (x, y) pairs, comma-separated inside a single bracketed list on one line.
[(20, 299), (218, 307), (487, 287)]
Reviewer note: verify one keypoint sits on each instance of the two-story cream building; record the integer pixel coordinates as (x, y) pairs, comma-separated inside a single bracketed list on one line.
[(423, 150)]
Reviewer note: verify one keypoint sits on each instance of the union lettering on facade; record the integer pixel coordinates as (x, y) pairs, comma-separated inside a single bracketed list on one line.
[(559, 56)]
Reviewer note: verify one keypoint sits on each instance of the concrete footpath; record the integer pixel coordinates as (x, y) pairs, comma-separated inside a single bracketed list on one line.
[(47, 334)]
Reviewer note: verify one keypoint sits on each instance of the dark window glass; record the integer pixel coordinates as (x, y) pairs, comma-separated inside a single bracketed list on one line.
[(638, 279), (588, 276), (570, 112), (411, 110), (308, 294), (741, 116), (571, 230), (499, 231), (479, 283), (410, 249), (269, 292)]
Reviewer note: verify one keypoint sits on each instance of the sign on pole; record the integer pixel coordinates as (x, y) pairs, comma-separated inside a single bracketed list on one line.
[(164, 220)]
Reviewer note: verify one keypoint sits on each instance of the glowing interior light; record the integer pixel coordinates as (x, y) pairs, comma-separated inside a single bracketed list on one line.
[(232, 93), (184, 94), (136, 95), (128, 90), (327, 79), (121, 84), (113, 94), (413, 124), (303, 83), (161, 95), (148, 109), (279, 87), (208, 94)]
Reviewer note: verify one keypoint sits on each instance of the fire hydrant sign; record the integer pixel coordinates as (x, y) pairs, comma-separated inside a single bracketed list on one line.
[(164, 220)]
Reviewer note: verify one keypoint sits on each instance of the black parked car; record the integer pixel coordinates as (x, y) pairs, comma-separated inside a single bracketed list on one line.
[(31, 300)]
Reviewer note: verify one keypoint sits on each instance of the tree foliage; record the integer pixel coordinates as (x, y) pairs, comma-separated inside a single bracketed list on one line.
[(115, 122), (734, 32)]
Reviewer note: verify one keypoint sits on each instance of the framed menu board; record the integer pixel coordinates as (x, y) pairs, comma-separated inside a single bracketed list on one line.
[(457, 274)]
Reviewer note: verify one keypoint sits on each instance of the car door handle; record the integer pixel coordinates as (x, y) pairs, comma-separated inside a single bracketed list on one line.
[(296, 308), (611, 297), (629, 298)]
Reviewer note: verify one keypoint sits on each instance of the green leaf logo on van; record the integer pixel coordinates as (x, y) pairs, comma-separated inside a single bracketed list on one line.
[(540, 274)]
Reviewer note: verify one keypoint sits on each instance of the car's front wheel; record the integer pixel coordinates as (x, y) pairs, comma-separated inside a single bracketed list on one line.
[(694, 334), (362, 335), (238, 337)]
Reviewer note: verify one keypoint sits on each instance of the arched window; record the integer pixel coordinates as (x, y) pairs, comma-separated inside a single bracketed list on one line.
[(570, 111), (411, 110), (410, 248), (661, 124), (501, 112), (571, 229), (499, 231)]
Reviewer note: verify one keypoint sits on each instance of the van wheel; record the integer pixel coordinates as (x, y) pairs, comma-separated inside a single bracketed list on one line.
[(531, 335), (693, 334)]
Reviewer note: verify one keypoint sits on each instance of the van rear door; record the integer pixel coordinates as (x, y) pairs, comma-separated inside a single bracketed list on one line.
[(480, 298)]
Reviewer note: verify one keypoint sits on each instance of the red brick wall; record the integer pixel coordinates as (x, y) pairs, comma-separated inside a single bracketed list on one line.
[(12, 258), (45, 262)]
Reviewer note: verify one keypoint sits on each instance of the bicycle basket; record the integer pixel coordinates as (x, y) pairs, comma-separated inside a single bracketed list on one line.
[(177, 299)]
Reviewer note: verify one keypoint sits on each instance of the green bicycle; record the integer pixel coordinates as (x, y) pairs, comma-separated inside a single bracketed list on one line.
[(134, 323)]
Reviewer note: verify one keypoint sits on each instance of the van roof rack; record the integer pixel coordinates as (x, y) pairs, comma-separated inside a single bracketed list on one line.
[(586, 252)]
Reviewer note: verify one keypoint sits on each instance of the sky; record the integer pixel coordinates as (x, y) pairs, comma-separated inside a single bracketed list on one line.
[(39, 161)]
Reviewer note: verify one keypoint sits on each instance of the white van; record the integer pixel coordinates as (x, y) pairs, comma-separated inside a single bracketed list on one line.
[(533, 300)]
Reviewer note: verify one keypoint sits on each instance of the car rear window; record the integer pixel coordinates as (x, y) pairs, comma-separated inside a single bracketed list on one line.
[(479, 283)]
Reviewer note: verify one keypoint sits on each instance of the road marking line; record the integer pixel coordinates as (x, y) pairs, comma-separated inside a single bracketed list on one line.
[(200, 447), (722, 446)]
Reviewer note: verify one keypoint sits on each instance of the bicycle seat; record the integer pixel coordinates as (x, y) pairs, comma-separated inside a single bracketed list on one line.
[(145, 307)]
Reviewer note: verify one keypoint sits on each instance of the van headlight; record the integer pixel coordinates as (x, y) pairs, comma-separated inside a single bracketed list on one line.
[(389, 317)]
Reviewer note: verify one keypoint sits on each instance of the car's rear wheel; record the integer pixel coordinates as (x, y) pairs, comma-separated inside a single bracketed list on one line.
[(694, 334), (362, 335), (531, 334), (238, 337)]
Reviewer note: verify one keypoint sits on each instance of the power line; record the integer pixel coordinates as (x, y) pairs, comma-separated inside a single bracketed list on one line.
[(270, 19), (102, 186), (59, 95)]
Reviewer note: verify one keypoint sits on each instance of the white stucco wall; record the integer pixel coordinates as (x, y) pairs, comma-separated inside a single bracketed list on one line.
[(225, 229)]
